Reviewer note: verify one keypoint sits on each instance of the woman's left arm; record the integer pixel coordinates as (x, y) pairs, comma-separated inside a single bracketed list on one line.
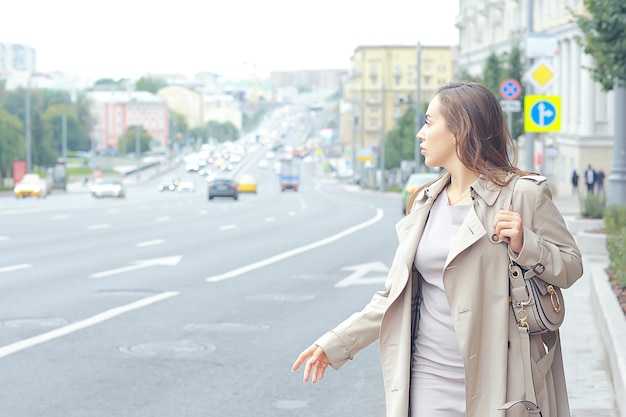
[(549, 249)]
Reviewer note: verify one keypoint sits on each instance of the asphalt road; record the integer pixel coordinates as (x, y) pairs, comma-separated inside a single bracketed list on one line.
[(166, 304)]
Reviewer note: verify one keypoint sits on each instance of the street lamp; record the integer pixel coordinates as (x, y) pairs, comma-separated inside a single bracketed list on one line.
[(418, 105)]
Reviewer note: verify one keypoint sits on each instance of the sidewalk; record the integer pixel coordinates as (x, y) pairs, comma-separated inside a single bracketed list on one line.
[(594, 371)]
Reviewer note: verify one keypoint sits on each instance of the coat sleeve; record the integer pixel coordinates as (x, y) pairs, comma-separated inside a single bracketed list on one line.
[(355, 333), (549, 248)]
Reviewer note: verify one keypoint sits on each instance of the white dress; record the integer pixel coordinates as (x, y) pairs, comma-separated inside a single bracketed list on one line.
[(437, 373)]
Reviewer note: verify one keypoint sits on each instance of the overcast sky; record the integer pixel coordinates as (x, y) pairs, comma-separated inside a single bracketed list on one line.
[(130, 38)]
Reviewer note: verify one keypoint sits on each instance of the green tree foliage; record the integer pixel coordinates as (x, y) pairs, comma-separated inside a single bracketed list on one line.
[(53, 122), (493, 73), (12, 145), (151, 85), (222, 131), (127, 143), (604, 27), (45, 127), (400, 142)]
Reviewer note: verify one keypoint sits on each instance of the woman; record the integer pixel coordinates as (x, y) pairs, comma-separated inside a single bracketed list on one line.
[(448, 338)]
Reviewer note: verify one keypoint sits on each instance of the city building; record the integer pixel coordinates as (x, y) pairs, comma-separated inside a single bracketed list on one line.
[(330, 79), (222, 108), (113, 112), (382, 86), (586, 112), (186, 102)]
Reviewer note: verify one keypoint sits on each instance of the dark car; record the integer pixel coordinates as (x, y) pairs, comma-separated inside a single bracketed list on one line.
[(223, 187)]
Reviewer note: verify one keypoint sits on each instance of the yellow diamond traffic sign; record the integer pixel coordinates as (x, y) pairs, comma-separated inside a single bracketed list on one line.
[(541, 75)]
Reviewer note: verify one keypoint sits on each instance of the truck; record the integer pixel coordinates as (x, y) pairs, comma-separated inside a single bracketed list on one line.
[(289, 175)]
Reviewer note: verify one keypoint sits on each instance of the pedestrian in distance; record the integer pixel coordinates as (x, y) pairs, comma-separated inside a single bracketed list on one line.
[(449, 340), (574, 182), (590, 179), (599, 179)]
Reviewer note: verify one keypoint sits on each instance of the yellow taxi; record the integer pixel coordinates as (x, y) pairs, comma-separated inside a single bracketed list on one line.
[(31, 185), (247, 184)]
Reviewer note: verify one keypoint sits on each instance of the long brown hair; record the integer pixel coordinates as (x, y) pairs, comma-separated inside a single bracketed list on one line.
[(484, 143)]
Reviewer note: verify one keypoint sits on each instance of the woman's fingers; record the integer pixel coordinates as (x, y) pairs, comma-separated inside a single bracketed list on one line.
[(315, 366)]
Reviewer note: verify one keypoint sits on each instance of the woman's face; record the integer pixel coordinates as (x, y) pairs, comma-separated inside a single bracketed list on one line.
[(437, 141)]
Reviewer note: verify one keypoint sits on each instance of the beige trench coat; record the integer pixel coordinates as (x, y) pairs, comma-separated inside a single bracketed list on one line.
[(477, 287)]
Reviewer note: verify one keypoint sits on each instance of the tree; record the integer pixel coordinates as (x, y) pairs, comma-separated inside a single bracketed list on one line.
[(12, 145), (604, 27), (53, 122), (492, 73), (401, 142), (222, 131), (151, 85), (127, 143)]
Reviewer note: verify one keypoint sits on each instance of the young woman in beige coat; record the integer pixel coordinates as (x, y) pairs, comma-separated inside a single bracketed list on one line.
[(448, 338)]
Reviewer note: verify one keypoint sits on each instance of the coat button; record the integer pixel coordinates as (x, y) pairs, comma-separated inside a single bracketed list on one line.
[(495, 238)]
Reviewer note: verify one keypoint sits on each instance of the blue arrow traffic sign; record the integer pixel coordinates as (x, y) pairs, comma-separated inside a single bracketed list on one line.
[(543, 113)]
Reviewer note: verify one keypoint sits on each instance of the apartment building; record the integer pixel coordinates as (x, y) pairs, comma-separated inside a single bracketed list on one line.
[(113, 112), (185, 101), (382, 86), (587, 125)]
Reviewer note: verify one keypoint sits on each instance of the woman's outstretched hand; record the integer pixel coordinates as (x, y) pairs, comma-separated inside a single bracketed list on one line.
[(315, 366)]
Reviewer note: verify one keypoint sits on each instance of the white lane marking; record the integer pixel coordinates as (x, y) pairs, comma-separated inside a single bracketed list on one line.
[(98, 226), (228, 227), (4, 238), (112, 211), (202, 212), (93, 320), (358, 276), (149, 243), (270, 219), (291, 213), (165, 261), (14, 267), (260, 264), (163, 219)]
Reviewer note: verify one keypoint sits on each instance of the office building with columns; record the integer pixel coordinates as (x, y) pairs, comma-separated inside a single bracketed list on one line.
[(587, 113)]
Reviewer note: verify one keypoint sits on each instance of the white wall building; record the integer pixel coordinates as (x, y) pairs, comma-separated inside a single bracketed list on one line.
[(586, 135)]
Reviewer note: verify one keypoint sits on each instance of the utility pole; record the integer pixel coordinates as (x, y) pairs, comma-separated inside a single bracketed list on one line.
[(27, 134), (64, 136), (418, 106), (616, 195), (529, 136), (383, 134)]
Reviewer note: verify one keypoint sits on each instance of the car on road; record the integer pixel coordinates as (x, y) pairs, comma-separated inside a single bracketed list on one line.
[(246, 184), (31, 185), (186, 186), (413, 183), (108, 187), (223, 187), (168, 184)]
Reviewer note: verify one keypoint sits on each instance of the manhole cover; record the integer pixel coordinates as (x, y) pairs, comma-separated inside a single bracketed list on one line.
[(36, 322), (183, 348), (282, 297), (227, 327)]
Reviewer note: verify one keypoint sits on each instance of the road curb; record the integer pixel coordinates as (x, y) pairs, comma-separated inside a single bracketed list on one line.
[(611, 325)]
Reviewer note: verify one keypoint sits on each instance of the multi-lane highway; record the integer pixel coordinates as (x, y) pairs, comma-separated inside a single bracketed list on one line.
[(166, 304)]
